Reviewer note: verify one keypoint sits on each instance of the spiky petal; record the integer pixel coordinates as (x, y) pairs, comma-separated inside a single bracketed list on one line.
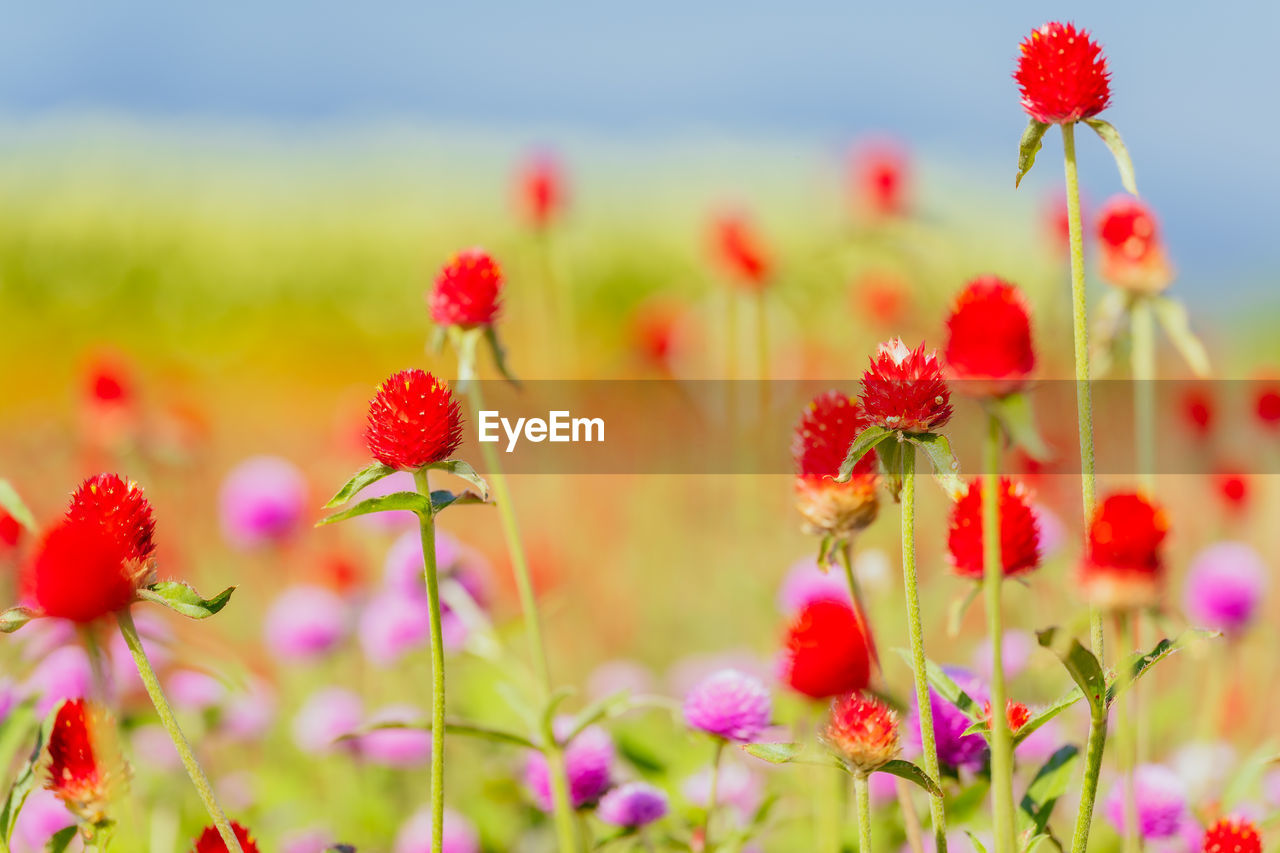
[(863, 731), (86, 768), (826, 651), (1016, 714), (119, 507), (1232, 835), (989, 338), (1062, 74), (82, 571), (413, 421), (1123, 566), (467, 290), (819, 444), (211, 842), (904, 390), (1019, 531)]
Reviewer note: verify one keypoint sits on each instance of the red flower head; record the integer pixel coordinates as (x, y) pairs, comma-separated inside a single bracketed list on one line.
[(1122, 568), (863, 731), (119, 507), (540, 187), (904, 390), (740, 251), (1062, 75), (882, 297), (1232, 836), (826, 651), (819, 445), (1197, 408), (1019, 531), (413, 421), (108, 383), (1266, 404), (83, 570), (1133, 257), (656, 334), (1233, 489), (1016, 714), (10, 532), (86, 767), (989, 338), (467, 290), (211, 842), (880, 180)]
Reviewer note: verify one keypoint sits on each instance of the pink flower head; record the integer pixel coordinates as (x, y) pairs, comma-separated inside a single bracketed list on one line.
[(247, 714), (633, 804), (42, 816), (1161, 801), (64, 673), (904, 390), (402, 570), (263, 500), (329, 714), (193, 690), (407, 747), (806, 583), (588, 764), (305, 623), (400, 481), (1225, 586), (314, 840), (415, 834), (729, 705)]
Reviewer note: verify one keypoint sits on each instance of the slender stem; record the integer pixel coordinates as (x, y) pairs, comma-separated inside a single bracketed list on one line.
[(910, 820), (712, 793), (152, 684), (427, 527), (863, 798), (993, 578), (1143, 337), (937, 809), (1124, 736), (1089, 790), (762, 350), (1080, 324)]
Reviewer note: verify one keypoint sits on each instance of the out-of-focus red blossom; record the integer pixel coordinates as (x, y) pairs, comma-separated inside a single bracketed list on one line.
[(989, 338), (540, 190), (1133, 258), (1057, 223), (904, 390), (1266, 403), (740, 251), (81, 572), (467, 291), (1197, 409), (883, 297), (108, 382), (86, 768), (655, 333), (120, 508), (880, 179), (1062, 74), (864, 731), (1233, 489), (819, 444), (342, 573), (1019, 531), (1232, 835), (10, 532), (211, 842), (1016, 714), (413, 421), (826, 651), (1123, 567)]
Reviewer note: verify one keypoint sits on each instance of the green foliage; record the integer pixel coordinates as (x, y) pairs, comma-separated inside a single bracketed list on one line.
[(181, 598), (1028, 148)]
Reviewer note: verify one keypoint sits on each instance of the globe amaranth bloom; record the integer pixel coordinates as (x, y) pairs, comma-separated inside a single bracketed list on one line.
[(414, 421), (82, 572), (120, 508), (880, 172), (1019, 531), (540, 192), (467, 291), (1225, 587), (863, 731), (211, 842), (740, 252), (588, 761), (263, 500), (632, 805), (305, 623), (1016, 714), (730, 705), (826, 651), (1161, 802), (1123, 567), (989, 338), (955, 748), (1232, 835), (1133, 256), (904, 390), (1062, 75), (819, 444), (86, 768)]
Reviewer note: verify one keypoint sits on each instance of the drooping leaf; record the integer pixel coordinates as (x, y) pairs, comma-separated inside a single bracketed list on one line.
[(1034, 844), (947, 689), (395, 501), (499, 355), (946, 468), (443, 499), (866, 442), (1111, 137), (366, 476), (13, 504), (1049, 783), (181, 598), (1019, 424), (14, 618), (463, 471), (774, 753), (906, 770), (1139, 664), (62, 839), (1083, 667), (1173, 317), (1028, 148)]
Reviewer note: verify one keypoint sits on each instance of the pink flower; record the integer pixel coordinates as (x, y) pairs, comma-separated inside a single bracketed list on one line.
[(402, 570), (248, 714), (633, 804), (1225, 587), (305, 622), (192, 690), (738, 788), (327, 715), (64, 673), (314, 840), (401, 481), (42, 816), (1161, 801), (152, 746), (730, 705), (263, 500), (588, 764), (459, 835), (396, 747)]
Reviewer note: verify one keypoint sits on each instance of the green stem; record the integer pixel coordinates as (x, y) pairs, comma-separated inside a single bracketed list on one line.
[(1092, 771), (427, 527), (993, 578), (712, 793), (937, 809), (1143, 339), (863, 798), (152, 684), (1125, 736)]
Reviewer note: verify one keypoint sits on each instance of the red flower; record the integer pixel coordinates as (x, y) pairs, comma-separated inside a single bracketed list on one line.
[(883, 297), (1132, 255), (1123, 567), (541, 193), (1057, 224), (656, 334), (1016, 713), (1062, 75), (1232, 836), (10, 532), (863, 731), (85, 764), (740, 251), (1019, 531), (211, 842), (880, 180), (108, 382), (467, 290), (903, 389), (1266, 405), (819, 444), (989, 337), (82, 571), (119, 507), (1197, 408), (826, 651), (413, 421), (1233, 489)]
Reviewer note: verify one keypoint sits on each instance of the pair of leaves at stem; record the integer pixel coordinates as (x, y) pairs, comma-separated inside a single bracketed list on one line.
[(890, 447), (1033, 137), (465, 342), (177, 596), (1116, 307), (793, 753), (402, 501)]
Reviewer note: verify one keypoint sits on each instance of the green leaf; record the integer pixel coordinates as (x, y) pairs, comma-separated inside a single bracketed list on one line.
[(774, 753), (393, 502), (1111, 137), (359, 480), (1034, 844), (1044, 715), (1248, 775), (604, 707), (14, 618), (463, 471), (1139, 664), (62, 839), (181, 598), (975, 841), (499, 355), (443, 498), (23, 784), (1049, 783), (862, 445), (946, 469), (11, 503), (890, 455), (1028, 148), (1019, 424), (912, 773), (1173, 316), (948, 689), (1080, 663)]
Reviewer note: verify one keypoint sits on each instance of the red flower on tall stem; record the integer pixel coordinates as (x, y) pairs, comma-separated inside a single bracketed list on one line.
[(1266, 403), (1062, 75), (467, 291), (1133, 257), (1019, 531), (880, 180), (863, 731), (1123, 566), (211, 842), (120, 508), (86, 767), (540, 191), (819, 444), (740, 251), (826, 651), (904, 390), (81, 572), (989, 338), (414, 421)]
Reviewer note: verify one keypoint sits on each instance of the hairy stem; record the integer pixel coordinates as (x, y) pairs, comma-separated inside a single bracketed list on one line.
[(1089, 790), (427, 527), (862, 797), (993, 578), (1125, 743)]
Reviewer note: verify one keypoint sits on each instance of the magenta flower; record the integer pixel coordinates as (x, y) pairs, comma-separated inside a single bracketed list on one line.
[(402, 570), (8, 698), (415, 834), (192, 690), (305, 623), (152, 747), (42, 816), (263, 501), (156, 638), (1225, 586), (327, 715), (633, 804), (730, 705), (882, 788), (955, 748), (314, 840), (806, 583), (392, 625), (588, 764), (396, 747), (1161, 801), (64, 673)]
